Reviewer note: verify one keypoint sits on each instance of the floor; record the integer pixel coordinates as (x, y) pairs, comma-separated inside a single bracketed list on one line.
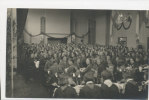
[(29, 89)]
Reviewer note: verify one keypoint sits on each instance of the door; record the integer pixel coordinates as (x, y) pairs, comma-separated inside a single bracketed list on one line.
[(57, 40)]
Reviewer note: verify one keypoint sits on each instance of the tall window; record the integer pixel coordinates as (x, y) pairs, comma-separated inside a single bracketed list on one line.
[(43, 23)]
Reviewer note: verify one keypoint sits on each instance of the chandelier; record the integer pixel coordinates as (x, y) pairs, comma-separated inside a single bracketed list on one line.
[(122, 19)]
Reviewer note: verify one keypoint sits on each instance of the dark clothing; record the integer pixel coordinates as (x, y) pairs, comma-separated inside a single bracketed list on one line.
[(131, 90), (52, 79), (101, 68), (88, 73), (137, 64), (87, 92), (54, 68), (47, 65), (133, 65), (109, 92), (139, 77), (30, 70), (51, 90), (42, 63), (68, 92), (118, 76), (63, 65), (71, 70)]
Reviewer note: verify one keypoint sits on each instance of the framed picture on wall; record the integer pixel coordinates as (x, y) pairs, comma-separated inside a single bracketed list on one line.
[(122, 41)]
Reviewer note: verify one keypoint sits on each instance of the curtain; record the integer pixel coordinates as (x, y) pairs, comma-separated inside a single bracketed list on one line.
[(21, 21)]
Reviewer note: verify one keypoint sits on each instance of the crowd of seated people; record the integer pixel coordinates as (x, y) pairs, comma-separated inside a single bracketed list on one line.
[(88, 71)]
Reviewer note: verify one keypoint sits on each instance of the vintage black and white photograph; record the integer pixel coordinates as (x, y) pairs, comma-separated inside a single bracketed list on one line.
[(77, 53)]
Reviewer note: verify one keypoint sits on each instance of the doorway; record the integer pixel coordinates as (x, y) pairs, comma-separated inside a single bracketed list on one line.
[(57, 40)]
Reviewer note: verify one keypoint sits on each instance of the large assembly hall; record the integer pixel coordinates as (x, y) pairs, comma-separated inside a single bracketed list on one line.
[(76, 53)]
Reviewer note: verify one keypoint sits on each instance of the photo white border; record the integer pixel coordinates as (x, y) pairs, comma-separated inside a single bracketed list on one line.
[(55, 4)]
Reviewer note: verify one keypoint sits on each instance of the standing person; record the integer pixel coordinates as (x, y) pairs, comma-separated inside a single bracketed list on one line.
[(64, 91), (48, 64), (132, 63), (30, 70), (72, 69), (139, 75), (52, 83), (54, 67), (37, 65), (90, 90), (131, 88), (63, 63), (88, 72), (101, 67), (109, 90), (145, 59), (96, 67), (138, 63)]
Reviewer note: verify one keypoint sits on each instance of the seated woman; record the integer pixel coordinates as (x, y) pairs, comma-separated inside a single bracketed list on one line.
[(109, 90), (64, 91)]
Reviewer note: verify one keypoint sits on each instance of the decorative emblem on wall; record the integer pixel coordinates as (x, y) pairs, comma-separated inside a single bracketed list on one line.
[(122, 19)]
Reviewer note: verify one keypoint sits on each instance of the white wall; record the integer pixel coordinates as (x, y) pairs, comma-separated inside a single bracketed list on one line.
[(101, 26), (81, 17), (57, 21)]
